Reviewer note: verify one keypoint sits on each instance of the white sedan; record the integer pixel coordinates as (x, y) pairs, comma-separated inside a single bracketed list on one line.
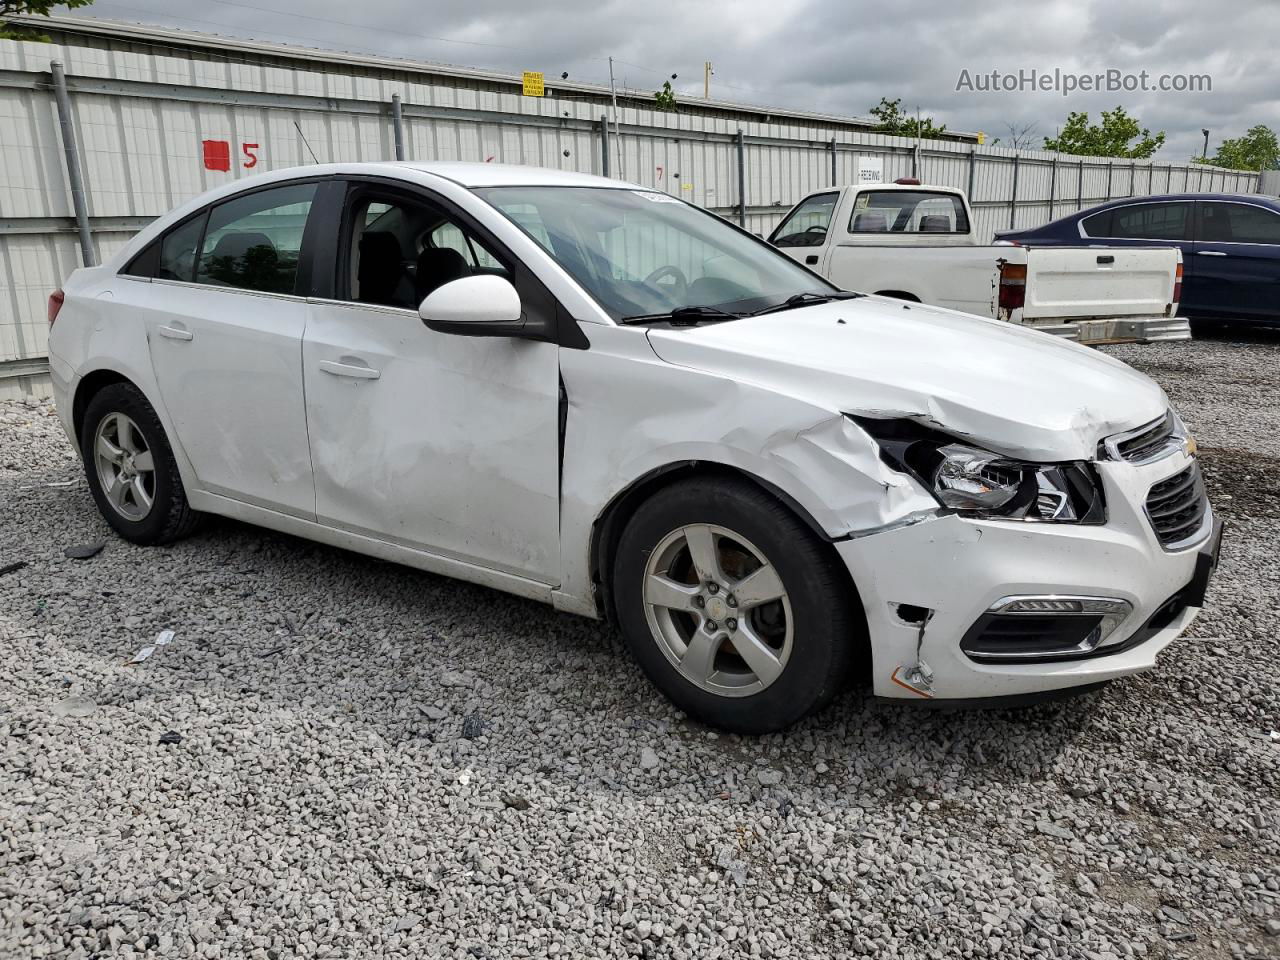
[(596, 395)]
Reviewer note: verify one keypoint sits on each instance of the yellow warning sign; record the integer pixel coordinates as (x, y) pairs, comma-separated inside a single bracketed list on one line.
[(982, 137), (533, 83)]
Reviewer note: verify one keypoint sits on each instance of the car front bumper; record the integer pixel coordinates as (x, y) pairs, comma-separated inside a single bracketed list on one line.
[(958, 569)]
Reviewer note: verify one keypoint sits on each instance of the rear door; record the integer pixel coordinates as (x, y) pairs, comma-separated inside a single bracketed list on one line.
[(224, 319), (1236, 264), (434, 441)]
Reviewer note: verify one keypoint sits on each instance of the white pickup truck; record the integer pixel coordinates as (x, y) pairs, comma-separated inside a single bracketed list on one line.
[(917, 243)]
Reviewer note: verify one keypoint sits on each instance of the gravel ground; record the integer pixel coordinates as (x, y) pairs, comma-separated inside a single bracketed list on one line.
[(340, 757)]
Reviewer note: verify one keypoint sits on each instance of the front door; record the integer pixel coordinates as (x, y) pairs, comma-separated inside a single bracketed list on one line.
[(224, 325), (434, 441), (803, 234)]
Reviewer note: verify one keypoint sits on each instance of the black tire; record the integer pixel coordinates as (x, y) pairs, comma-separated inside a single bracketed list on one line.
[(1208, 329), (170, 517), (828, 630)]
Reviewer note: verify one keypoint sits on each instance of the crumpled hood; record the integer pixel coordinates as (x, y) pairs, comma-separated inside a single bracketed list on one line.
[(1012, 390)]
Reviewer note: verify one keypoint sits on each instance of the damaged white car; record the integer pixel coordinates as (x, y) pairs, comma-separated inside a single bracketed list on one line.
[(598, 396)]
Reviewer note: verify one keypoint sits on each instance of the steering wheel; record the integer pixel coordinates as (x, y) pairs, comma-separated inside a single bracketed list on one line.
[(681, 288)]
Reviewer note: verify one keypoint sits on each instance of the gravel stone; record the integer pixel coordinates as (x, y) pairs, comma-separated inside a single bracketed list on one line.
[(321, 804)]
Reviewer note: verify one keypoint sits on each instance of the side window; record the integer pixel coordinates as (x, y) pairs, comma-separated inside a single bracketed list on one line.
[(1248, 224), (399, 249), (253, 242), (178, 250), (1098, 225), (808, 223), (1149, 221), (908, 211), (450, 236)]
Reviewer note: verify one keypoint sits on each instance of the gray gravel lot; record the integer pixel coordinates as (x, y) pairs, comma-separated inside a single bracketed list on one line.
[(371, 761)]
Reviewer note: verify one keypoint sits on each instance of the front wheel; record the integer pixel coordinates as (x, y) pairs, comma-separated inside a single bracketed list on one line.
[(733, 607)]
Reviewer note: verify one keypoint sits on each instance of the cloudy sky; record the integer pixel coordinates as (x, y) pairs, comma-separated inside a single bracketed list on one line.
[(838, 56)]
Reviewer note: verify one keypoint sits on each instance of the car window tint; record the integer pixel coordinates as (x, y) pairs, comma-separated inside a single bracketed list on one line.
[(908, 211), (399, 249), (1098, 225), (178, 250), (253, 242), (1239, 223), (808, 223), (1149, 221)]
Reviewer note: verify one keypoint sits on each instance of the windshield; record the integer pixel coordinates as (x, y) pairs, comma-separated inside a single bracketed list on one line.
[(642, 253)]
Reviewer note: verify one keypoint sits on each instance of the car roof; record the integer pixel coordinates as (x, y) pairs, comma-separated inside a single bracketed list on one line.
[(1258, 198), (506, 175)]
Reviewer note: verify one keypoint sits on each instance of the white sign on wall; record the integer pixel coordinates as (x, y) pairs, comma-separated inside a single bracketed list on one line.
[(871, 169)]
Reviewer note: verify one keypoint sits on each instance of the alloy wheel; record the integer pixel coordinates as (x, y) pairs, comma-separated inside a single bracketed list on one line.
[(718, 610), (126, 467)]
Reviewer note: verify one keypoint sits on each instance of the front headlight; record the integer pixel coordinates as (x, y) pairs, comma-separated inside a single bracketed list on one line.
[(979, 483)]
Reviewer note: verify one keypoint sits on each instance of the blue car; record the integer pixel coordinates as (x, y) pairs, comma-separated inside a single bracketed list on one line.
[(1230, 246)]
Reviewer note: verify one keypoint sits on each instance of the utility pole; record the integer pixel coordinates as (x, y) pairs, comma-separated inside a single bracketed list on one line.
[(617, 139), (915, 158), (706, 80)]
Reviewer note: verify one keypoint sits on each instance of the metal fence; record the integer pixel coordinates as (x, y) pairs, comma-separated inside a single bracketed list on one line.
[(156, 123)]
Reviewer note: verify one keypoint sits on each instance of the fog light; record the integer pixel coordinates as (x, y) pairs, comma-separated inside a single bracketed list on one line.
[(1044, 628)]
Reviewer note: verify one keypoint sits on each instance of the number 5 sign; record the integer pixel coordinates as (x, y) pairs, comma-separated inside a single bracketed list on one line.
[(217, 155)]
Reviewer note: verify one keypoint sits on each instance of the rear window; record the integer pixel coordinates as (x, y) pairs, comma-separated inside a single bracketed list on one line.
[(908, 211)]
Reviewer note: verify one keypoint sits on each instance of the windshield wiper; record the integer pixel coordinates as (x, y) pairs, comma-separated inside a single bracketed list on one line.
[(807, 299), (685, 316)]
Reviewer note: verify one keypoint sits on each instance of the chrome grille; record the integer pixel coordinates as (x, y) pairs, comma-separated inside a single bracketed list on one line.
[(1145, 443), (1176, 506)]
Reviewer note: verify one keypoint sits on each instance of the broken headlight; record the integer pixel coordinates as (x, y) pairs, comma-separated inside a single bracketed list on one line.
[(979, 483)]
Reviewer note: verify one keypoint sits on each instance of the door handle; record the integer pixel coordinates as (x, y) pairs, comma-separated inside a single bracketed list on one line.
[(811, 259), (349, 370), (1210, 253), (173, 333)]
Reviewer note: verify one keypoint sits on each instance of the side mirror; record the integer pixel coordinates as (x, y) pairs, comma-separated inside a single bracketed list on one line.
[(479, 306)]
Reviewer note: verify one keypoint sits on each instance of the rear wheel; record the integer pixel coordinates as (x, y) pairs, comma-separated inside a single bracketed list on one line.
[(131, 470), (732, 606)]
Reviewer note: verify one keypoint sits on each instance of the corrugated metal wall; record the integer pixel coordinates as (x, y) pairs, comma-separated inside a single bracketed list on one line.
[(143, 113)]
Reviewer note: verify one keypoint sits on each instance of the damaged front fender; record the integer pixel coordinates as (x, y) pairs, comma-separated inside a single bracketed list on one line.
[(630, 414)]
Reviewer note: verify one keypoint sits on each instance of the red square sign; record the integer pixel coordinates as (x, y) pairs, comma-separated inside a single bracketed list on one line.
[(217, 155)]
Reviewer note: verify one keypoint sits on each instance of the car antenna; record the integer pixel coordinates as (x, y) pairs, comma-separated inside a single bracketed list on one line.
[(304, 141)]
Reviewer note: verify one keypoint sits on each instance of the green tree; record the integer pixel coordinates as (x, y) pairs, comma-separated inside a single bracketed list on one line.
[(1256, 150), (39, 8), (890, 119), (665, 99), (1111, 138)]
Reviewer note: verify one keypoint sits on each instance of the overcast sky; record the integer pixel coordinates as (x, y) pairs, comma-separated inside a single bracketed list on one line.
[(837, 56)]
